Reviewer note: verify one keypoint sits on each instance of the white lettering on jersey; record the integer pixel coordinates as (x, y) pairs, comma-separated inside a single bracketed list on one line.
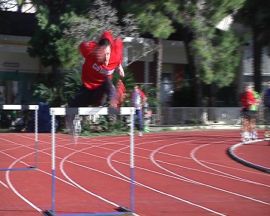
[(102, 70)]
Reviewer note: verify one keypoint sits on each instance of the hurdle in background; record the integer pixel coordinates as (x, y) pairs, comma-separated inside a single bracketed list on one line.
[(60, 111), (10, 107)]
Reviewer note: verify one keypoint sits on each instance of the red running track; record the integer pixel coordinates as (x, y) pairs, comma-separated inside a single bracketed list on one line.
[(177, 173)]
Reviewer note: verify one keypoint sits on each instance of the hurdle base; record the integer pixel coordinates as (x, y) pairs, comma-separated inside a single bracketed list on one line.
[(122, 209), (32, 167), (48, 213)]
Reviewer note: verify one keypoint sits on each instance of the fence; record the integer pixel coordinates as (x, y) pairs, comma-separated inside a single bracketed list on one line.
[(202, 115)]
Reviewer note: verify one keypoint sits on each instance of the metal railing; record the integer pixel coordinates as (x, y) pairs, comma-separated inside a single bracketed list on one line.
[(202, 116)]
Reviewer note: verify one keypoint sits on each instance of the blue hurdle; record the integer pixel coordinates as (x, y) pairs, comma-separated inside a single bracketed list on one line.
[(61, 111)]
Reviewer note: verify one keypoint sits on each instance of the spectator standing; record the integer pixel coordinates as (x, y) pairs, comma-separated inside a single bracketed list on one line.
[(247, 100), (138, 100), (254, 109)]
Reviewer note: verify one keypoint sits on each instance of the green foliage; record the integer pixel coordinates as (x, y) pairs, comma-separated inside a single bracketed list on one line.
[(228, 59), (151, 92), (159, 25), (154, 17), (49, 43), (216, 10), (43, 92), (72, 83), (205, 58), (57, 95), (216, 53), (218, 59), (103, 126), (128, 80), (100, 16)]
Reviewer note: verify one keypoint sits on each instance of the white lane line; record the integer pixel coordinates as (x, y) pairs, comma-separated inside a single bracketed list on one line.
[(200, 183), (14, 189), (87, 167), (2, 183), (109, 161), (227, 175)]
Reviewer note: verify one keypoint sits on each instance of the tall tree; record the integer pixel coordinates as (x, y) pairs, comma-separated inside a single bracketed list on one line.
[(199, 17), (50, 45), (256, 16), (49, 42), (101, 16), (153, 18), (215, 52)]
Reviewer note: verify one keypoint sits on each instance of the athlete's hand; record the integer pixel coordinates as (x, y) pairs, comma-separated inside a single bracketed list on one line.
[(121, 71)]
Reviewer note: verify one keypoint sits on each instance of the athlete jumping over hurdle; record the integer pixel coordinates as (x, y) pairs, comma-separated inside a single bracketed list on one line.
[(102, 59)]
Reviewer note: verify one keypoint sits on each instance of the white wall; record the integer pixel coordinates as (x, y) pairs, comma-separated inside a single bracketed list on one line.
[(14, 55)]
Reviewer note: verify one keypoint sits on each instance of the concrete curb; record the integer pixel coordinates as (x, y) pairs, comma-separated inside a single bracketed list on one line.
[(230, 152), (196, 127)]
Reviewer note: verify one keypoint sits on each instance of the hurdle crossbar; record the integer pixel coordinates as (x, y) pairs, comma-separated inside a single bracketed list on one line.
[(18, 107), (62, 111), (35, 108)]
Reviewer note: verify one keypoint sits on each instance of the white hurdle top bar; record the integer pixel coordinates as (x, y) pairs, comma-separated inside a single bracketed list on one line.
[(18, 107), (89, 110)]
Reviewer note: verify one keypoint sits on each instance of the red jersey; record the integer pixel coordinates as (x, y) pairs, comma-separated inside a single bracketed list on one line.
[(94, 73), (248, 99)]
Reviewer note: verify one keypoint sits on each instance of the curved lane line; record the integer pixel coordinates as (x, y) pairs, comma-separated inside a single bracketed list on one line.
[(200, 183), (227, 175), (127, 177), (109, 160), (14, 189), (77, 184)]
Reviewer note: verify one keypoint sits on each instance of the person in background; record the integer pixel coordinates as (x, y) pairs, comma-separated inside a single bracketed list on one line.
[(138, 100), (247, 100), (254, 114)]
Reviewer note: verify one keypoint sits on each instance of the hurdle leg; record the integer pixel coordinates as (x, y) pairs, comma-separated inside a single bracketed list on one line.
[(36, 138), (132, 164), (53, 164)]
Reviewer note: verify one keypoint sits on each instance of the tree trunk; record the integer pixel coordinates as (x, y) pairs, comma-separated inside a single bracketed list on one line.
[(194, 81), (159, 73), (257, 58), (197, 85), (55, 74)]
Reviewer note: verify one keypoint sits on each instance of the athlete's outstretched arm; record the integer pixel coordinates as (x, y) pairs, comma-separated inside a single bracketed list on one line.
[(121, 71)]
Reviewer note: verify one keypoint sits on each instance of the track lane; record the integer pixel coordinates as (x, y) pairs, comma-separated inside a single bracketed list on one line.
[(166, 190)]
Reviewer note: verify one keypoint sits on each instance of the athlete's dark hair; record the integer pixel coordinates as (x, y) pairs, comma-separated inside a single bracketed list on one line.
[(104, 42)]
